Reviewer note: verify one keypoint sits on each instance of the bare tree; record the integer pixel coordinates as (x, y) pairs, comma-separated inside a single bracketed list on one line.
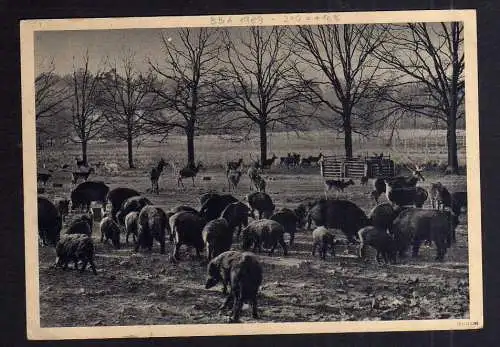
[(123, 101), (337, 68), (183, 84), (431, 56), (255, 83), (50, 93), (86, 119)]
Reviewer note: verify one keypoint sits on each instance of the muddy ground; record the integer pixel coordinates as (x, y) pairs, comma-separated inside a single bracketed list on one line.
[(139, 289)]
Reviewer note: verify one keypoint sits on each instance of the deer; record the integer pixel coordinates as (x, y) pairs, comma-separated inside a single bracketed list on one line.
[(268, 162), (259, 183), (154, 175), (188, 171), (233, 165), (76, 175), (339, 185), (233, 178), (80, 163), (398, 183), (315, 160), (253, 172)]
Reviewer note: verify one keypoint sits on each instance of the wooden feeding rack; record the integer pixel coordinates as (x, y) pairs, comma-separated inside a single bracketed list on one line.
[(338, 167)]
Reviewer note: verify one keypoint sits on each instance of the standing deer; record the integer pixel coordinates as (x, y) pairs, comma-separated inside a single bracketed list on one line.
[(268, 162), (233, 178), (386, 186), (188, 171), (155, 175), (233, 165)]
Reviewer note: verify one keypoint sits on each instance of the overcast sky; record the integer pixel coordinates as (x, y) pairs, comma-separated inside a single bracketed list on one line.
[(68, 47), (61, 46)]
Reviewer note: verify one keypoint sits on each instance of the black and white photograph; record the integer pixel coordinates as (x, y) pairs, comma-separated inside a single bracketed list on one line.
[(251, 174)]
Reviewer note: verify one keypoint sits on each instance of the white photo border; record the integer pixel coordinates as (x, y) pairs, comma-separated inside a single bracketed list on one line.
[(27, 32)]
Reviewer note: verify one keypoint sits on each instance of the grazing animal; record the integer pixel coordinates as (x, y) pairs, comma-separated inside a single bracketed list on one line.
[(434, 193), (340, 185), (151, 224), (264, 233), (117, 196), (217, 237), (169, 215), (184, 208), (233, 177), (219, 270), (253, 172), (338, 214), (261, 202), (236, 215), (110, 231), (84, 175), (414, 225), (233, 165), (80, 163), (86, 218), (213, 207), (43, 177), (188, 171), (443, 198), (131, 220), (80, 225), (287, 161), (205, 197), (324, 239), (288, 219), (75, 248), (290, 160), (49, 222), (86, 192), (154, 175), (243, 273), (458, 200), (379, 239), (134, 203), (111, 168), (316, 160), (187, 230), (305, 162), (259, 183), (62, 205), (400, 182), (421, 196), (301, 212), (270, 161), (382, 216)]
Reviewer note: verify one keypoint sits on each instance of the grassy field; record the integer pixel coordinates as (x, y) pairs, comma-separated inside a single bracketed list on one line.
[(420, 145), (137, 289)]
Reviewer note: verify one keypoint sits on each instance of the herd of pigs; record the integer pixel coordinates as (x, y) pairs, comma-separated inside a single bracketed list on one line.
[(223, 220)]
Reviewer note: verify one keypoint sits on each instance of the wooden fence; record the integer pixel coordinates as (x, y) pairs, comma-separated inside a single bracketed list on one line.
[(336, 167)]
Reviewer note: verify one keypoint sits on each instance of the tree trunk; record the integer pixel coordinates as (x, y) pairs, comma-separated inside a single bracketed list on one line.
[(130, 142), (348, 136), (190, 145), (451, 139), (263, 143), (451, 121), (84, 152)]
